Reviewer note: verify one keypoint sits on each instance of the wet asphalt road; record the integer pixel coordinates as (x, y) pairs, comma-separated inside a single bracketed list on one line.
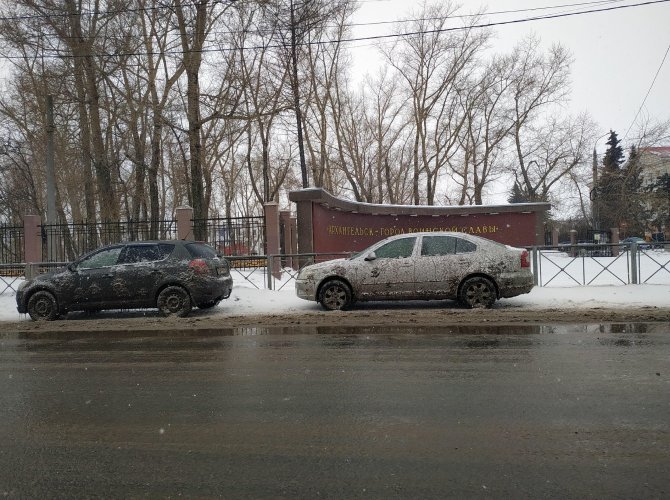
[(500, 412)]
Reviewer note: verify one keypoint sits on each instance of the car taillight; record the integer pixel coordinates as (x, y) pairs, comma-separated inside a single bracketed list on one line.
[(525, 261), (199, 266)]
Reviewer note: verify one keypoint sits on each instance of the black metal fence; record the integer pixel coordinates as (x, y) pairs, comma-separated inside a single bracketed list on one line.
[(235, 235), (11, 244), (66, 242)]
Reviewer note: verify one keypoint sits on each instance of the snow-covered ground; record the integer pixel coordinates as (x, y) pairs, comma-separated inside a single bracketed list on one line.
[(246, 299)]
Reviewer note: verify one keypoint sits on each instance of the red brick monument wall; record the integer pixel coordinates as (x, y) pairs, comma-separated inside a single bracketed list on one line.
[(328, 224)]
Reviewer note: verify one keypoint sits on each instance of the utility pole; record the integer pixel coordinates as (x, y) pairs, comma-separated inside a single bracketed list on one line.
[(51, 178)]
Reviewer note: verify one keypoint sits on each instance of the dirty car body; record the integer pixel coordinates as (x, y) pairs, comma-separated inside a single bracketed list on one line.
[(173, 276), (432, 265)]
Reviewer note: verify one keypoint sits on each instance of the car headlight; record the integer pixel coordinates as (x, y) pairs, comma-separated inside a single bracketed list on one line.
[(23, 284), (305, 274)]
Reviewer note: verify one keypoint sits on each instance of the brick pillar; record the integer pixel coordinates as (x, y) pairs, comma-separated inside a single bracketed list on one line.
[(272, 235), (32, 238), (184, 224), (32, 245), (573, 242), (615, 241), (554, 237)]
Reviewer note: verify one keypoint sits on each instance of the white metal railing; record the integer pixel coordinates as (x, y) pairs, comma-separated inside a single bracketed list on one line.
[(587, 264)]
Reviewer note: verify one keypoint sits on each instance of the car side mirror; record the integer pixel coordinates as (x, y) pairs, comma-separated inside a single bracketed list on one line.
[(370, 256), (72, 267)]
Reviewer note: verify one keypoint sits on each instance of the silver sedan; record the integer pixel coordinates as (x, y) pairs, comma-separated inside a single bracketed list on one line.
[(433, 265)]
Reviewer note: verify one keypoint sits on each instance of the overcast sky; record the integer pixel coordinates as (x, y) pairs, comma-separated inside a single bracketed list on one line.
[(616, 53)]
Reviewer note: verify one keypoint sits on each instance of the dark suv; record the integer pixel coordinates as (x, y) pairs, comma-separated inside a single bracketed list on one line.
[(173, 276)]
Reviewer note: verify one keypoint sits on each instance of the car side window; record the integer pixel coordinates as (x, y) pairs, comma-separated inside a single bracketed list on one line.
[(464, 246), (139, 253), (432, 246), (104, 258), (396, 249), (164, 250)]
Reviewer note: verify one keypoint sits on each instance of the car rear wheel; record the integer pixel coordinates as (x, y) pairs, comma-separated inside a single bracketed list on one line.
[(335, 295), (174, 301), (477, 292), (42, 306)]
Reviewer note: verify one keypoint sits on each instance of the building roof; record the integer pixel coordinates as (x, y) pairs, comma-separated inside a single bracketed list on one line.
[(662, 151)]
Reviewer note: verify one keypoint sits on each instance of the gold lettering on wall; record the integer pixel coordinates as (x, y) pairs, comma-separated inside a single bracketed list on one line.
[(384, 232)]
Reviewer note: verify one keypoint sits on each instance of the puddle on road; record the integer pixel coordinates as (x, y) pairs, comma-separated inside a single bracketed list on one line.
[(481, 330), (632, 328), (479, 338), (622, 335), (193, 344)]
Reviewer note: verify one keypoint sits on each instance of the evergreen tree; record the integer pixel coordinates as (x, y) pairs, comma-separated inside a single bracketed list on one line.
[(610, 189), (517, 195), (614, 155)]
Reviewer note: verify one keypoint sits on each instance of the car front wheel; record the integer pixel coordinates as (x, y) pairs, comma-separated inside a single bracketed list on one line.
[(174, 301), (335, 295), (477, 292), (42, 306)]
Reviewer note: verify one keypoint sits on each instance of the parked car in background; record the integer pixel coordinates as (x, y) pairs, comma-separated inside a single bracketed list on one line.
[(432, 265), (641, 242), (173, 276)]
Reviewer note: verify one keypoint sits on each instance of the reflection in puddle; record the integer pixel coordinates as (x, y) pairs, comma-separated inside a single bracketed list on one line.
[(491, 337), (632, 328)]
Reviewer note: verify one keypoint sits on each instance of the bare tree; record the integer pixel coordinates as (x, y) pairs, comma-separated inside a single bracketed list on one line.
[(155, 41), (263, 78), (300, 23), (538, 83), (485, 102), (353, 143), (552, 150), (324, 67), (431, 61), (387, 125), (194, 23)]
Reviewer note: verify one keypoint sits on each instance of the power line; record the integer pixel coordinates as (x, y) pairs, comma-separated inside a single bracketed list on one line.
[(503, 23), (648, 92), (261, 31), (494, 13), (367, 38)]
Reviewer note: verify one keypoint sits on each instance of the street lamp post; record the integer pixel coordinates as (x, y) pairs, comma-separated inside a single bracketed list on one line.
[(594, 192)]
